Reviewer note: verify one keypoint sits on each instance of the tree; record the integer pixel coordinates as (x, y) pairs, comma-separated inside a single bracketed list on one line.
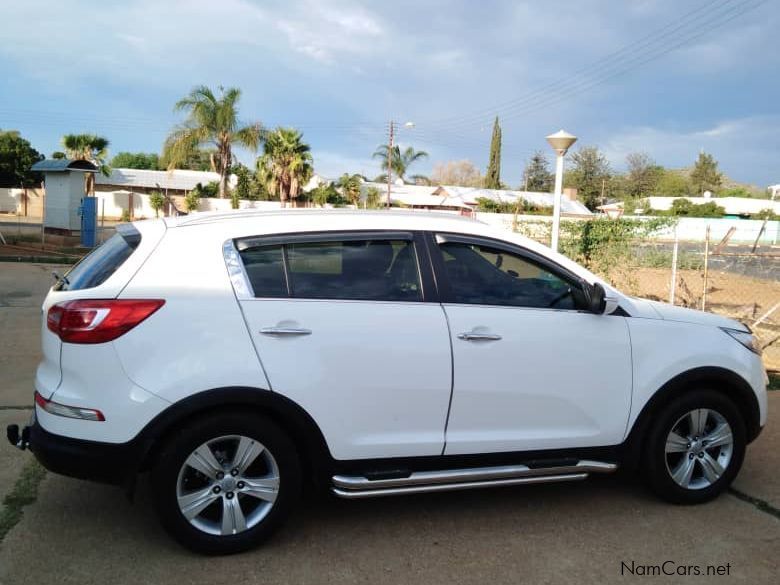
[(400, 161), (590, 170), (373, 198), (192, 201), (198, 159), (705, 175), (327, 193), (672, 184), (643, 175), (493, 174), (243, 188), (460, 173), (286, 164), (16, 158), (156, 202), (350, 187), (89, 147), (537, 176), (58, 155), (213, 121), (136, 160)]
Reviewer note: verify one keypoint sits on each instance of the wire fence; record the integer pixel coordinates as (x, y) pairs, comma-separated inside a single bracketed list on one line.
[(737, 279)]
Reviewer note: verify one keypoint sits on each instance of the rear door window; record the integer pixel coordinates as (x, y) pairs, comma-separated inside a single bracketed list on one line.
[(350, 269), (95, 268), (373, 270)]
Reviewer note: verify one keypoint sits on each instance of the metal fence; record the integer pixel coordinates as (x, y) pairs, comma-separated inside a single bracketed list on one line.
[(740, 280)]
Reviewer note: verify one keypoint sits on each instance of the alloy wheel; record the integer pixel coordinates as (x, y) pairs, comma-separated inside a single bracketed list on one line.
[(699, 448), (227, 485)]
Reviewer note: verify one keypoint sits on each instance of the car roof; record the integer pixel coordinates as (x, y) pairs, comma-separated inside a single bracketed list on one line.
[(223, 226)]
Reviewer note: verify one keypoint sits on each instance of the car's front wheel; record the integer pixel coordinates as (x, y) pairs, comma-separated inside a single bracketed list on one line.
[(695, 447), (225, 483)]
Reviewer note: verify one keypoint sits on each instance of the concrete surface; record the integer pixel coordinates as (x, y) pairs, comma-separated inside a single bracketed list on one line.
[(81, 533), (22, 290), (11, 458), (84, 533), (760, 475)]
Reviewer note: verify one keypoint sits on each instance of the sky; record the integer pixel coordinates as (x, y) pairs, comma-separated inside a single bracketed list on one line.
[(666, 77)]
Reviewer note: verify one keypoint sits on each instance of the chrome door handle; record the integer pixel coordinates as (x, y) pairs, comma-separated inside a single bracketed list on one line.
[(472, 336), (273, 331)]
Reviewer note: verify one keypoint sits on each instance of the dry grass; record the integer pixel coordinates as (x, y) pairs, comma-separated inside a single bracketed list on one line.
[(739, 297)]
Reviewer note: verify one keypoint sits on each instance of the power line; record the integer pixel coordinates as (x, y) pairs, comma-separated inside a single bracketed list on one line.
[(604, 69)]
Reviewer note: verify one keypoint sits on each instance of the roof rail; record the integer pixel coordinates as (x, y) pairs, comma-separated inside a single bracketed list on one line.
[(215, 216)]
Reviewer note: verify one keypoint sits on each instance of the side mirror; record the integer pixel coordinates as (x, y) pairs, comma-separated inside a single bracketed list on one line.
[(597, 298)]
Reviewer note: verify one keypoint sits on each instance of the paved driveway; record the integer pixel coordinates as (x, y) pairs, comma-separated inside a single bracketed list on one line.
[(77, 532)]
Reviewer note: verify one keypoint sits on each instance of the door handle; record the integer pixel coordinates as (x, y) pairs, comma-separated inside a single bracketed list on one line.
[(474, 336), (284, 331)]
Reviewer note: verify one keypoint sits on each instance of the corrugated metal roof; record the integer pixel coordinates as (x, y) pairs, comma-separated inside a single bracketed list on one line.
[(61, 165), (177, 179), (455, 196)]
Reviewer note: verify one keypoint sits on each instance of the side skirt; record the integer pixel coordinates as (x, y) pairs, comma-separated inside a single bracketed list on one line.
[(362, 486)]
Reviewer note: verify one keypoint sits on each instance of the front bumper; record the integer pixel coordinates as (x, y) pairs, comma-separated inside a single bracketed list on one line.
[(114, 463)]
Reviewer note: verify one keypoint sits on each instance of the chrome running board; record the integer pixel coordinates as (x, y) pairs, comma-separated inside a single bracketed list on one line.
[(348, 486)]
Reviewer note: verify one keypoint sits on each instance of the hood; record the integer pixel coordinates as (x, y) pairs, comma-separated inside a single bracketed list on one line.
[(657, 310)]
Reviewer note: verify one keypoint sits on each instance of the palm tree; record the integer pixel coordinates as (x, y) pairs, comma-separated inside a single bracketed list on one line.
[(89, 147), (211, 122), (350, 187), (401, 161), (286, 163)]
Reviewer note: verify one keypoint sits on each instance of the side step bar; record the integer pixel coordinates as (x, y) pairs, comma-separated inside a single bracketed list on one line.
[(353, 487)]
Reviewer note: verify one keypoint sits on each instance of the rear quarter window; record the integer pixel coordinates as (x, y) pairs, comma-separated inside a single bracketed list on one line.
[(95, 268)]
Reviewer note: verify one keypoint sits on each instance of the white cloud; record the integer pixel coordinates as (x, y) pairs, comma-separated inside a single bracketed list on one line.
[(326, 33)]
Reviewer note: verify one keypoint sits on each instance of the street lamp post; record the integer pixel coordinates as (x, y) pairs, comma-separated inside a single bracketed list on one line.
[(561, 142)]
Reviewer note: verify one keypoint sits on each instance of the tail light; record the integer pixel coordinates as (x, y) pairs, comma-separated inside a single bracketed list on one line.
[(98, 321)]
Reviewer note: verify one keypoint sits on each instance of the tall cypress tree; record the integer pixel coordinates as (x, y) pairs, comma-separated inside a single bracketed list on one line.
[(493, 175)]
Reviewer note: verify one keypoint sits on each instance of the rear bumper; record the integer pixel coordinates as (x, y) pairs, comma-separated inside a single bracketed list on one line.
[(114, 463)]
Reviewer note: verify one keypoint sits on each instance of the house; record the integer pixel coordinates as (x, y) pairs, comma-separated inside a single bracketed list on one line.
[(175, 182), (455, 198)]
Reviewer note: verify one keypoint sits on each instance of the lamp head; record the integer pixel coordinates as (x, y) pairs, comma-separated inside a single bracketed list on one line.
[(561, 141)]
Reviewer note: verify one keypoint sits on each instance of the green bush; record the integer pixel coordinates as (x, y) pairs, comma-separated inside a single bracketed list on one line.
[(522, 206), (192, 201), (208, 190), (156, 202), (373, 198)]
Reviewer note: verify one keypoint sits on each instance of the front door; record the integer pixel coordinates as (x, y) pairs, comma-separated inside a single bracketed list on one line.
[(531, 371), (342, 328)]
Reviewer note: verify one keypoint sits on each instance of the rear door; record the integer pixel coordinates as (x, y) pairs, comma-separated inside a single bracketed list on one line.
[(342, 326)]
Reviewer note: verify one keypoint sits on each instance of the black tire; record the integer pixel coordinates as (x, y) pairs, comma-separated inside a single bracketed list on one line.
[(182, 443), (654, 462)]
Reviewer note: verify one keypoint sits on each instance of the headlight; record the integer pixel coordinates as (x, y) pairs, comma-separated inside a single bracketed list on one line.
[(745, 338)]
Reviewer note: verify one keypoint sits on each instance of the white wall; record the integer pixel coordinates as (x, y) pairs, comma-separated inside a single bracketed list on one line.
[(10, 200), (692, 229)]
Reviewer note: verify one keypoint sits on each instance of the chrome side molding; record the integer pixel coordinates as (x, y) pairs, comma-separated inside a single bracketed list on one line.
[(353, 487)]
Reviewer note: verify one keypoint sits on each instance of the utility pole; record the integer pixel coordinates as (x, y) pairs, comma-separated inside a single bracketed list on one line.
[(389, 162), (603, 186)]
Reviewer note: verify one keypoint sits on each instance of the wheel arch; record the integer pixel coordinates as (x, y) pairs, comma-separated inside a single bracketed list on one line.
[(301, 427), (716, 378)]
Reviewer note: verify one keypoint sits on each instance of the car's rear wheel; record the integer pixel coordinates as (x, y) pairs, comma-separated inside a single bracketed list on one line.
[(225, 483), (695, 447)]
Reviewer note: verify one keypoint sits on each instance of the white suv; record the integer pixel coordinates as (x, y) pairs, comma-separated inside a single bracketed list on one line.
[(238, 356)]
